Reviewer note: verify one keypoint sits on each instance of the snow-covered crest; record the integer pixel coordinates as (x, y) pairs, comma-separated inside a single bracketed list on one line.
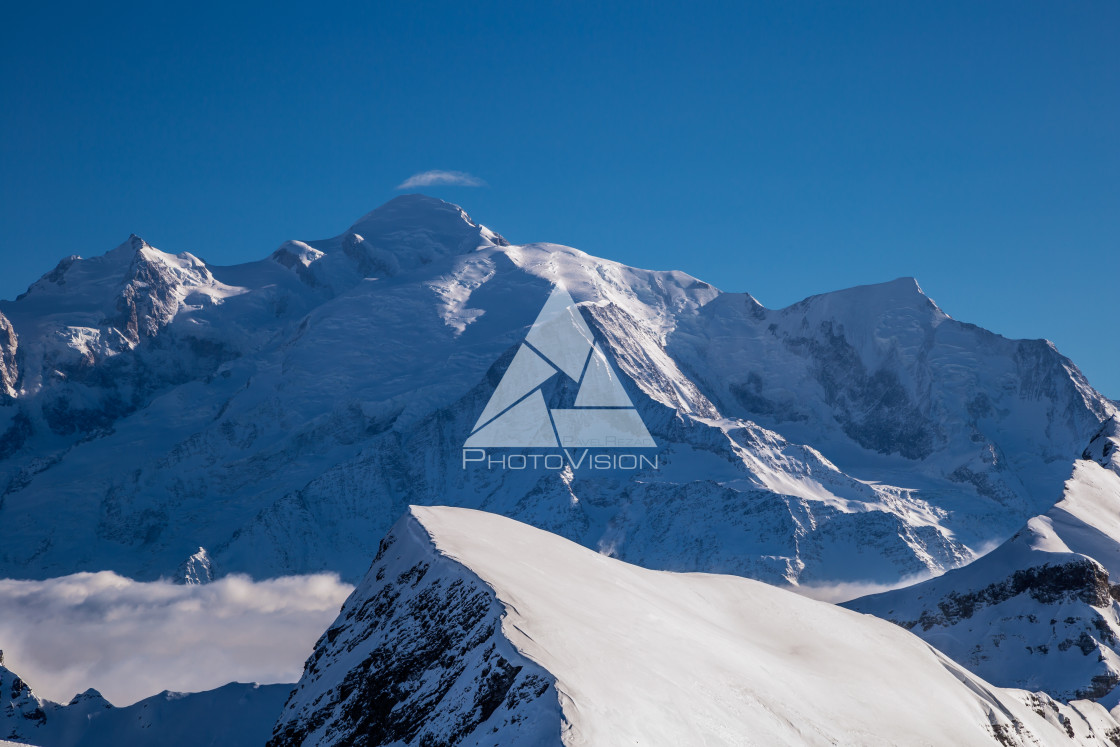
[(471, 628), (862, 435), (1041, 610)]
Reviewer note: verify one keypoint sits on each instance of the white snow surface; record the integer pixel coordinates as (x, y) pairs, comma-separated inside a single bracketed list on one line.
[(656, 658), (1041, 610), (283, 413)]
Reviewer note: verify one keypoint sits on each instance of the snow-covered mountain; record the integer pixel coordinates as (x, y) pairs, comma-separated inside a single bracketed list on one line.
[(9, 369), (1041, 610), (237, 713), (473, 629), (281, 414)]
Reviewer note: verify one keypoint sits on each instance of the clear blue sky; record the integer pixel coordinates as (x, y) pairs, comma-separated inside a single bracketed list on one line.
[(783, 148)]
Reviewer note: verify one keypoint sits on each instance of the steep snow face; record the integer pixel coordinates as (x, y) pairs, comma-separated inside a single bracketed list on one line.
[(890, 387), (91, 337), (1040, 611), (503, 625), (232, 714), (286, 427)]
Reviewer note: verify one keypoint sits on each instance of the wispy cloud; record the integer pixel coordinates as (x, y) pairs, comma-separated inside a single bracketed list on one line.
[(439, 177), (132, 639)]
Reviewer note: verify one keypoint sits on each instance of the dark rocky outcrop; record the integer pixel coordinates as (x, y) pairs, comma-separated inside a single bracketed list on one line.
[(420, 636), (9, 364)]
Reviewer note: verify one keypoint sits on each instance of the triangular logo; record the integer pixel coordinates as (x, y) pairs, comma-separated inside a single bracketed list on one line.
[(560, 342)]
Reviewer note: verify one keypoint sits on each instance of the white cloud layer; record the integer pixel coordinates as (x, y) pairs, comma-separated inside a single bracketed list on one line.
[(439, 177), (132, 639)]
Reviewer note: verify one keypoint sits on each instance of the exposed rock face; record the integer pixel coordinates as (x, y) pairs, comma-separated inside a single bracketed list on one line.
[(150, 298), (1044, 623), (22, 712), (197, 569), (9, 367), (471, 629), (293, 407), (1041, 610), (421, 636), (1104, 448)]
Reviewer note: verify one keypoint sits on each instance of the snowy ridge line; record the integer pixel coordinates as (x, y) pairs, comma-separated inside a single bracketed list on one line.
[(423, 640), (1042, 610), (857, 436), (509, 635)]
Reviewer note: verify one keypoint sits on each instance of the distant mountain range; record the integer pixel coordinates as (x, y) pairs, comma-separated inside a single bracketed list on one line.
[(233, 714), (282, 415)]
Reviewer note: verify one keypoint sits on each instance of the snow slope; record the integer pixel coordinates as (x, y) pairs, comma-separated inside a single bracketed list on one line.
[(236, 713), (471, 628), (1041, 610), (281, 414)]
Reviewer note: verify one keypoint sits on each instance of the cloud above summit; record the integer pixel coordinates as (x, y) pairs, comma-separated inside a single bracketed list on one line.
[(438, 177)]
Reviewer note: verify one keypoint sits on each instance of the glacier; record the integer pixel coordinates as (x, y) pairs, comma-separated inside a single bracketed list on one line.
[(283, 413)]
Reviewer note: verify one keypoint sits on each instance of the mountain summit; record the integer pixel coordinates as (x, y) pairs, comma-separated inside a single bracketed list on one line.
[(283, 413), (473, 629)]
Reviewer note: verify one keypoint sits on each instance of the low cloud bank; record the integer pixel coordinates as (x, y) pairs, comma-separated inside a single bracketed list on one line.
[(131, 639)]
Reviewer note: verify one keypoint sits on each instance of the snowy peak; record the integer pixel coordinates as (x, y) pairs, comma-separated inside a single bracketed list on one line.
[(904, 292), (405, 233), (418, 229), (196, 569), (871, 305), (133, 277), (22, 708), (413, 212), (421, 634), (475, 629), (155, 286)]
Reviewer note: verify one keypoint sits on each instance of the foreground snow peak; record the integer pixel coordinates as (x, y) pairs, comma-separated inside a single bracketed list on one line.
[(475, 629)]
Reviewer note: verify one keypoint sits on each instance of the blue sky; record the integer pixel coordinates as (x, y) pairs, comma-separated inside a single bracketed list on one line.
[(782, 148)]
